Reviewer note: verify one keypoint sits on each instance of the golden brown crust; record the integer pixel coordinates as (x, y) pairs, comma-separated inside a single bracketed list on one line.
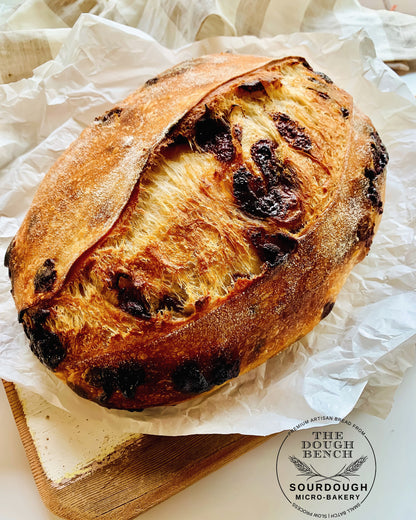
[(92, 181), (225, 227)]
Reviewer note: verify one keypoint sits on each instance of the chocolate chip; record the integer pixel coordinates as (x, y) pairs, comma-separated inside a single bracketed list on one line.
[(133, 302), (365, 232), (276, 203), (223, 370), (374, 197), (263, 155), (263, 199), (273, 249), (109, 116), (269, 196), (131, 374), (380, 159), (292, 132), (151, 81), (126, 378), (327, 309), (131, 298), (253, 86), (179, 140), (247, 192), (324, 77), (305, 63), (170, 302), (370, 174), (45, 276), (188, 378), (105, 378), (379, 153), (201, 304), (345, 112), (45, 344), (36, 318), (48, 349), (214, 136), (321, 94)]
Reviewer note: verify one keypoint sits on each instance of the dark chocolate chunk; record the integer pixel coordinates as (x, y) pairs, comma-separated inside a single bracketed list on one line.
[(253, 86), (131, 298), (131, 374), (45, 276), (151, 81), (263, 155), (327, 309), (188, 378), (345, 112), (133, 302), (379, 152), (370, 174), (247, 192), (48, 349), (263, 199), (223, 370), (273, 249), (109, 116), (374, 197), (324, 77), (380, 160), (37, 318), (179, 140), (276, 203), (292, 132), (45, 344), (365, 232), (170, 302), (214, 136), (126, 378), (105, 378), (201, 304), (321, 94), (305, 63)]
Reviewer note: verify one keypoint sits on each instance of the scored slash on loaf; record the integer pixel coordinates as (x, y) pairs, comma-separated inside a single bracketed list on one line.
[(196, 229)]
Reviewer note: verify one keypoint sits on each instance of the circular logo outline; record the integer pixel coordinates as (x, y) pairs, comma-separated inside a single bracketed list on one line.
[(335, 421)]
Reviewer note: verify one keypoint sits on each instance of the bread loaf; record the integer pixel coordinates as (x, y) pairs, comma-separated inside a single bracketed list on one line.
[(196, 229)]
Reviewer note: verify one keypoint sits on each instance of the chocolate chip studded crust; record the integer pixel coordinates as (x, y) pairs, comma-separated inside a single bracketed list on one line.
[(196, 229)]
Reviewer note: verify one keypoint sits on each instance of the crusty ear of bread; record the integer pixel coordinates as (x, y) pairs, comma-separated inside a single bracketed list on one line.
[(92, 181), (196, 229)]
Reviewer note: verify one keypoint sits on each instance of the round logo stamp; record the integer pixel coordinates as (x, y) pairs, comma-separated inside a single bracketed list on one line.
[(326, 471)]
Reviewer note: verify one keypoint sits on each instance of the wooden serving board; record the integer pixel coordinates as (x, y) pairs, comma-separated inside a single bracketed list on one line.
[(138, 474)]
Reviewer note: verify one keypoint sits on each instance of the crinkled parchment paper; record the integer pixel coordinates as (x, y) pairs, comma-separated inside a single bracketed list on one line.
[(355, 357)]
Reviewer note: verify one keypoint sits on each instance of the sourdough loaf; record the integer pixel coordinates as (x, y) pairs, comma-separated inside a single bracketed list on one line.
[(196, 229)]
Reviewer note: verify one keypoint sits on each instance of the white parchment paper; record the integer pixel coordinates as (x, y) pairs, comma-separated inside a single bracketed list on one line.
[(355, 357)]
